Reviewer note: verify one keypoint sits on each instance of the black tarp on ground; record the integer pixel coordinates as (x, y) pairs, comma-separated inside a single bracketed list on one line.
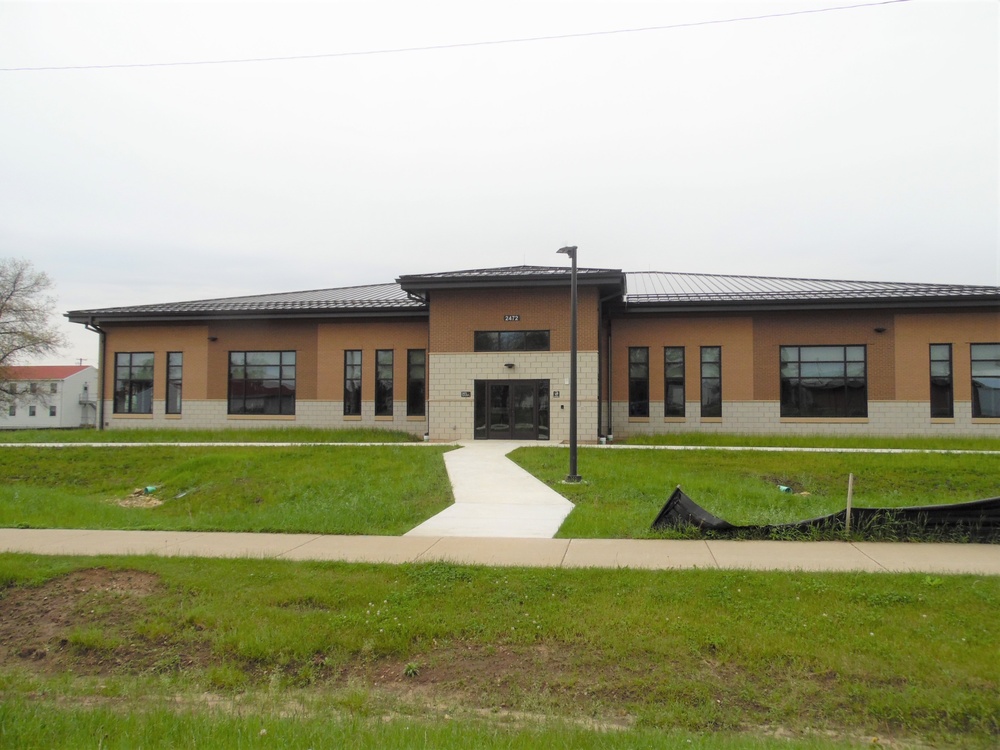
[(978, 520)]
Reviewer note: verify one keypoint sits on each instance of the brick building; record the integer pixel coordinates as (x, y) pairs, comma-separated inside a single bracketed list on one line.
[(485, 354)]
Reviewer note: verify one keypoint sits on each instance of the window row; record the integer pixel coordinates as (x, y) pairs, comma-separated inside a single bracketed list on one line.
[(34, 387), (673, 381), (816, 381), (32, 411), (265, 382)]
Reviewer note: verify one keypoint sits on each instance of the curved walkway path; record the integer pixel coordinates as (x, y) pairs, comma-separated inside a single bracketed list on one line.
[(494, 497)]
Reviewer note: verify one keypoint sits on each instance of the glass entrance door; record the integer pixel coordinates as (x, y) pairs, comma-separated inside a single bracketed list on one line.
[(512, 410)]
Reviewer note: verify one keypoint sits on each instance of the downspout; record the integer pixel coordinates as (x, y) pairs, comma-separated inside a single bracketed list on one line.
[(427, 368), (100, 370), (611, 383), (610, 370)]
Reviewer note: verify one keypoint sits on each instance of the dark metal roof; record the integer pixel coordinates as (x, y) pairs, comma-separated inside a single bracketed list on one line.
[(373, 298), (509, 276), (647, 290), (654, 288)]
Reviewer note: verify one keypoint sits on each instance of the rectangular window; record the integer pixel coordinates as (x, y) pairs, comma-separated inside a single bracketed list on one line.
[(711, 381), (352, 383), (31, 411), (262, 383), (52, 411), (986, 380), (383, 382), (942, 383), (673, 381), (638, 381), (12, 411), (53, 387), (133, 383), (511, 341), (824, 381), (33, 388), (416, 383), (175, 373)]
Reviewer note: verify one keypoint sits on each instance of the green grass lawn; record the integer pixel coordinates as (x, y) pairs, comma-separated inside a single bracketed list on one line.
[(274, 435), (623, 490), (335, 489), (347, 489), (130, 652)]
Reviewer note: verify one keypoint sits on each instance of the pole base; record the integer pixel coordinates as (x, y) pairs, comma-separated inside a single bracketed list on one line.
[(572, 479)]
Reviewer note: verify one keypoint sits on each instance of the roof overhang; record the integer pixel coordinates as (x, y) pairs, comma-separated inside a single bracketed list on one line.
[(774, 305), (611, 280), (124, 316)]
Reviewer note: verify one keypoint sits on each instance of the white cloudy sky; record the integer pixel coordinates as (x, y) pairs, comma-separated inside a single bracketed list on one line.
[(852, 144)]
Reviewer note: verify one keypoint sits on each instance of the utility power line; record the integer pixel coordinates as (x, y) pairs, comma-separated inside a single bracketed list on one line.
[(457, 45)]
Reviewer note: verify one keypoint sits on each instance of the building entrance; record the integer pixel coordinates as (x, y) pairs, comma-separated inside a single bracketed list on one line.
[(512, 410)]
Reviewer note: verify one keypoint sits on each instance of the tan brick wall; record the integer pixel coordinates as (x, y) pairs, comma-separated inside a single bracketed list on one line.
[(263, 335), (159, 339), (457, 315), (915, 332), (733, 333), (814, 328), (368, 336)]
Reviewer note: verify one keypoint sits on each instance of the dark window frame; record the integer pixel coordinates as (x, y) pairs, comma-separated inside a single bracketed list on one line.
[(134, 383), (711, 383), (416, 383), (384, 377), (262, 388), (808, 382), (638, 382), (52, 411), (512, 341), (352, 382), (942, 381), (175, 383), (674, 382), (985, 367)]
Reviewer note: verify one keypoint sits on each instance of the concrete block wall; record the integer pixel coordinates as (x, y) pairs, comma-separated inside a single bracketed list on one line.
[(885, 419), (452, 415), (205, 414)]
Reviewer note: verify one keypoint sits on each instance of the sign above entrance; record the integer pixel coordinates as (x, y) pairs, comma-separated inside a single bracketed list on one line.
[(511, 318)]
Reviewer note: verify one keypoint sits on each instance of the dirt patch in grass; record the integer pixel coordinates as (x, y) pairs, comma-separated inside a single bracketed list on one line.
[(84, 622)]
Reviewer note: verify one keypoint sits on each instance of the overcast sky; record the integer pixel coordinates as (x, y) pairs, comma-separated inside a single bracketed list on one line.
[(851, 144)]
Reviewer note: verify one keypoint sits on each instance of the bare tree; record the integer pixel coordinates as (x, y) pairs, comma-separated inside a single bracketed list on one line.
[(25, 329)]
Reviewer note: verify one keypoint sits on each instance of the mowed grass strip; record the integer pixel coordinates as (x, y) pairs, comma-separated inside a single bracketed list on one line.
[(272, 435), (623, 490), (845, 655), (336, 489)]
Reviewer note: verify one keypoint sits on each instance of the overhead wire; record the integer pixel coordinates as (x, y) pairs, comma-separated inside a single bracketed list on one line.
[(455, 45)]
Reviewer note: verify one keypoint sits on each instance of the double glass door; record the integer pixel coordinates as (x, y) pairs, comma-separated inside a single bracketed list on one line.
[(512, 410)]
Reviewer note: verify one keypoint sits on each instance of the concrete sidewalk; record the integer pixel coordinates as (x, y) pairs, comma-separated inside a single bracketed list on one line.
[(494, 497), (982, 559)]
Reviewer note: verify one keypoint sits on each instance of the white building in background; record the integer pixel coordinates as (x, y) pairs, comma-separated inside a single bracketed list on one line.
[(51, 396)]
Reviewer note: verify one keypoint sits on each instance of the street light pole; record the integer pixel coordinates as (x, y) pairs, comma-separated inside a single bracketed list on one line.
[(573, 477)]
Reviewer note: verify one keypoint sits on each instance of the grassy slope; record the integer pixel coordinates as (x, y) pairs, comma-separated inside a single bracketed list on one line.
[(337, 489), (681, 651), (623, 490)]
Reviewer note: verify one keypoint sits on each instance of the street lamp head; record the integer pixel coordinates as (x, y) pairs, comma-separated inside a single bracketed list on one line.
[(569, 250)]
